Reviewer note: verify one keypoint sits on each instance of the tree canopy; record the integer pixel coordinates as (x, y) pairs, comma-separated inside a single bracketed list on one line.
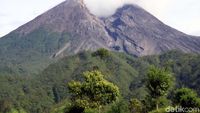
[(186, 97), (93, 91), (159, 81)]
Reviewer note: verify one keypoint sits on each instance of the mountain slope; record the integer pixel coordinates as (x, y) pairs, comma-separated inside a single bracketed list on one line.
[(64, 30), (139, 33), (72, 17)]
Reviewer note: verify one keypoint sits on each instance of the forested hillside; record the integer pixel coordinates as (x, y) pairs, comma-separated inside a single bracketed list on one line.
[(48, 91)]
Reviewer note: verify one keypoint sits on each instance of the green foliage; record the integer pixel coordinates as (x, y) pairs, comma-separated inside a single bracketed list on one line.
[(94, 91), (160, 110), (19, 110), (120, 106), (149, 103), (158, 83), (90, 111), (5, 105), (35, 49), (186, 97), (135, 106), (38, 93), (102, 53)]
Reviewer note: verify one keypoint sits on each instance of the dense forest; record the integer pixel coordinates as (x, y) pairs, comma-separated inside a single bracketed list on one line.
[(49, 91)]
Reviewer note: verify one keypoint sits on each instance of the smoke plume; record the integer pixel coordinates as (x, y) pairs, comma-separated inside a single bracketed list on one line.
[(104, 8)]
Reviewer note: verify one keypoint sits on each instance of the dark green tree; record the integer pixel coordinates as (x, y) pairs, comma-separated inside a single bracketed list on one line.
[(135, 106), (186, 97), (159, 82), (94, 91), (119, 107), (102, 53)]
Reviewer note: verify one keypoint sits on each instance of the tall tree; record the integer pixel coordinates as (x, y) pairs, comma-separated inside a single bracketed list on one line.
[(94, 91), (159, 81)]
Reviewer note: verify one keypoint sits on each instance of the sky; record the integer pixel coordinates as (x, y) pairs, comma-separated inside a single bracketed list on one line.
[(183, 15)]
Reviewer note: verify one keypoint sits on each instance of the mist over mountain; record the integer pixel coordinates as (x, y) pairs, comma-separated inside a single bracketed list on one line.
[(70, 28)]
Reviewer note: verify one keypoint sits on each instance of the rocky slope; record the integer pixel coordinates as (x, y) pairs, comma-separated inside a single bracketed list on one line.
[(139, 33), (72, 17)]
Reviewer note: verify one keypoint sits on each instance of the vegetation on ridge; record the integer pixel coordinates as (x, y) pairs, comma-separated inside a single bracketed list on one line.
[(48, 92)]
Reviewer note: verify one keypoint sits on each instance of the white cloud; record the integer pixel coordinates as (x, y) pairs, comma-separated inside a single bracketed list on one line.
[(108, 7), (103, 7)]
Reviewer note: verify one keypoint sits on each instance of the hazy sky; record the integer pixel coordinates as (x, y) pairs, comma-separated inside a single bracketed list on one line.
[(183, 15)]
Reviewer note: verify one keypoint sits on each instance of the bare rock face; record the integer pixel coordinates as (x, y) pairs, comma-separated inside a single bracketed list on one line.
[(139, 33)]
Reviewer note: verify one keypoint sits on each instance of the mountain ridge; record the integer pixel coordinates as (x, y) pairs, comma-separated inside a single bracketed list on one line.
[(137, 25), (58, 20)]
